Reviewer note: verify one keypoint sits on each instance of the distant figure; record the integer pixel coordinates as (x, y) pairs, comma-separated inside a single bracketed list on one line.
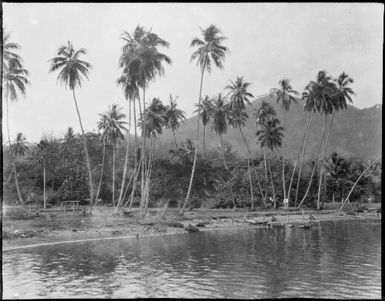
[(286, 203), (273, 218), (311, 217)]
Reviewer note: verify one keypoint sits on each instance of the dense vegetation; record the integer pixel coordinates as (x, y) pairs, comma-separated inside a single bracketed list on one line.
[(126, 169)]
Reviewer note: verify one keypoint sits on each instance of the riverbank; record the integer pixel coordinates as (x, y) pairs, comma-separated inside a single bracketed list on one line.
[(57, 227)]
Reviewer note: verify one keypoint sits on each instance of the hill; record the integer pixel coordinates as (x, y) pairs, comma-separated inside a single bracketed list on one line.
[(355, 132)]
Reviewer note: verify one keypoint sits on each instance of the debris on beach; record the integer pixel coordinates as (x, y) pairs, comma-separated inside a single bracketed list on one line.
[(191, 228)]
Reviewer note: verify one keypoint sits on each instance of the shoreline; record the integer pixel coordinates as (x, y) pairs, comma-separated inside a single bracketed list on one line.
[(100, 228)]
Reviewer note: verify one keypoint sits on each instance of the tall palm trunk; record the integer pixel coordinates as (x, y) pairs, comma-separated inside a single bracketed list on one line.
[(315, 163), (173, 135), (252, 161), (12, 157), (272, 184), (102, 169), (251, 184), (299, 154), (322, 162), (143, 183), (283, 157), (204, 140), (301, 161), (44, 196), (125, 158), (113, 174), (266, 180), (91, 186), (163, 216), (137, 166), (226, 167), (196, 147), (148, 174)]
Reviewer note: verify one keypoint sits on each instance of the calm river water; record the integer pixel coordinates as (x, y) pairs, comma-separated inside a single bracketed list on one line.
[(340, 259)]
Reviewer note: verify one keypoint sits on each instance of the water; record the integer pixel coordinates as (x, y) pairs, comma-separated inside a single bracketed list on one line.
[(339, 259)]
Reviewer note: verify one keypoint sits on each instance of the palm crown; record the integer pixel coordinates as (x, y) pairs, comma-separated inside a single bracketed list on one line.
[(19, 146), (210, 49), (264, 113), (239, 96), (173, 115), (73, 69), (270, 134), (219, 115), (111, 124), (285, 94), (154, 118), (15, 79)]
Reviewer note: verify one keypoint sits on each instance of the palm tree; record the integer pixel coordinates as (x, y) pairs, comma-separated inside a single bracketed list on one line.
[(239, 97), (112, 126), (69, 136), (72, 70), (286, 95), (142, 61), (263, 114), (174, 117), (320, 97), (153, 122), (219, 111), (211, 51), (131, 93), (341, 92), (42, 160), (18, 149), (102, 124), (14, 81), (270, 135), (205, 109)]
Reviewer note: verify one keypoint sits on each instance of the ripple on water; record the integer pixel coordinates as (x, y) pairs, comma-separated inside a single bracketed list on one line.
[(334, 260)]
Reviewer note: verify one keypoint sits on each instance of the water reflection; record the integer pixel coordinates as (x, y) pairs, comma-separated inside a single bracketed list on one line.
[(333, 259)]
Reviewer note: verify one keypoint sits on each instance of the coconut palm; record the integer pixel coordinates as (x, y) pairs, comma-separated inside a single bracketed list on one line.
[(14, 81), (142, 61), (320, 94), (286, 95), (41, 158), (174, 117), (18, 149), (69, 136), (239, 97), (205, 109), (72, 71), (341, 93), (112, 126), (210, 52), (131, 93), (219, 116), (263, 114), (270, 136), (153, 122)]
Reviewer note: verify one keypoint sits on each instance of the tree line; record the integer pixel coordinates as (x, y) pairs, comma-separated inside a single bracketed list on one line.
[(78, 163)]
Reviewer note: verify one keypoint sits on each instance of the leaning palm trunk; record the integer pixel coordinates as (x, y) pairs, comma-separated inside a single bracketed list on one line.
[(299, 154), (301, 163), (252, 161), (251, 184), (173, 135), (44, 196), (137, 171), (120, 199), (266, 180), (196, 148), (148, 175), (102, 169), (143, 182), (323, 161), (12, 158), (204, 141), (163, 216), (86, 153), (227, 168), (272, 184), (315, 163), (283, 158), (355, 184), (113, 175), (10, 175)]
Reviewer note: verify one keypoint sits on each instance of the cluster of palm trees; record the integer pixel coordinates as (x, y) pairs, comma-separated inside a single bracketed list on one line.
[(141, 62)]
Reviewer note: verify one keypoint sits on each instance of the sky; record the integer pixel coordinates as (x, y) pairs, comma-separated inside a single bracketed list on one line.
[(267, 42)]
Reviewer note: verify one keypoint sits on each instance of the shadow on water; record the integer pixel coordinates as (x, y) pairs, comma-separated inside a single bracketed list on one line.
[(333, 259)]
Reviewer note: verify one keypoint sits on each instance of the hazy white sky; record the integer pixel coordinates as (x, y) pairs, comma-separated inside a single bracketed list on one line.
[(267, 42)]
